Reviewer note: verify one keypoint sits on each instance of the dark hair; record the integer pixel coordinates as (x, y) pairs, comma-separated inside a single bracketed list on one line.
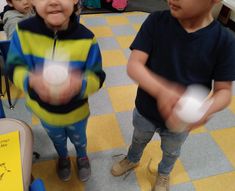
[(78, 7), (6, 8), (75, 8)]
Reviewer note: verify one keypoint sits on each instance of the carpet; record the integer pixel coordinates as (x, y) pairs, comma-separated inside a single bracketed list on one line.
[(207, 161)]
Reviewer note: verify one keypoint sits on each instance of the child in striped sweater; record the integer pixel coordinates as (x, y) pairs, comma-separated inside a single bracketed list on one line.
[(55, 35)]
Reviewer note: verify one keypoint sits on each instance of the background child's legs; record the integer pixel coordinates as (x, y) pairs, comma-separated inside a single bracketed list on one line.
[(77, 135), (171, 145), (58, 136), (143, 133)]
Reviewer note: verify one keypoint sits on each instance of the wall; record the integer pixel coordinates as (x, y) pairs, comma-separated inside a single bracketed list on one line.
[(2, 4), (233, 16)]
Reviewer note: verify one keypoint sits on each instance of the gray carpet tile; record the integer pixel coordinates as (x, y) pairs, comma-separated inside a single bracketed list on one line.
[(108, 43), (125, 123), (19, 112), (137, 19), (202, 157), (102, 180), (127, 52), (123, 30), (100, 103), (222, 119), (94, 21), (183, 187), (117, 76)]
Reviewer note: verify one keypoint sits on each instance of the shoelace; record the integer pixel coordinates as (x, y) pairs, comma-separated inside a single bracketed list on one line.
[(118, 155), (126, 174), (163, 180)]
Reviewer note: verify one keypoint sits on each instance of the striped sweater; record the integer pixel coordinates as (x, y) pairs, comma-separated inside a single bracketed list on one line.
[(33, 43)]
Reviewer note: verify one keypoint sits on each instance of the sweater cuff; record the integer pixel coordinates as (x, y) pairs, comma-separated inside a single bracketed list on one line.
[(21, 78)]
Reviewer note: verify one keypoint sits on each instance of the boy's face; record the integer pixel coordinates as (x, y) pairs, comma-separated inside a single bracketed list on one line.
[(56, 13), (186, 9), (23, 6)]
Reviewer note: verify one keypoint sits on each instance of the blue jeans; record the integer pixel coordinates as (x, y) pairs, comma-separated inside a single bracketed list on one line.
[(2, 114), (170, 142), (76, 134)]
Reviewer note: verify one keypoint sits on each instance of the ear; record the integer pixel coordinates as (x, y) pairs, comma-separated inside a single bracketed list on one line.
[(32, 2), (216, 1), (9, 3), (75, 2)]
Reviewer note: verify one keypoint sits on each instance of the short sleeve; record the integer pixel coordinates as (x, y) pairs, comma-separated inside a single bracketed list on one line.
[(225, 66), (145, 37)]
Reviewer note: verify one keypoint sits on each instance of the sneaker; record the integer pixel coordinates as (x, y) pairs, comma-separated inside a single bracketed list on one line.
[(122, 167), (162, 183), (64, 169), (84, 169)]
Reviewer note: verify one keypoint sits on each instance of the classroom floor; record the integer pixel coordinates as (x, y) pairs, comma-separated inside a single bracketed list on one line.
[(207, 162)]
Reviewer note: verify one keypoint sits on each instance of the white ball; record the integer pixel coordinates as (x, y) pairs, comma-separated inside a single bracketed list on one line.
[(55, 74), (193, 105)]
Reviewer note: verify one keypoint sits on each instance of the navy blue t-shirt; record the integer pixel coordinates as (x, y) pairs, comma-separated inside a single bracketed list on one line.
[(187, 58)]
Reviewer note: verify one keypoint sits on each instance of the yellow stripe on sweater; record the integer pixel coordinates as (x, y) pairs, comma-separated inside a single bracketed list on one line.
[(58, 119), (93, 83), (42, 46), (19, 76)]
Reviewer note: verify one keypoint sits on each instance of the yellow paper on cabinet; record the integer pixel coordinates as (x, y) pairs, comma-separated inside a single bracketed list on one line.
[(10, 162)]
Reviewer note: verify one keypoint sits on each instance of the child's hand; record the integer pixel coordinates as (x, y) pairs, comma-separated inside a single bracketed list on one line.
[(36, 82), (206, 107), (198, 124), (72, 88), (174, 123), (167, 99), (68, 89)]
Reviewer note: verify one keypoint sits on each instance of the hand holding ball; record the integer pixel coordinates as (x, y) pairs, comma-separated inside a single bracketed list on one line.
[(55, 76), (191, 107)]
